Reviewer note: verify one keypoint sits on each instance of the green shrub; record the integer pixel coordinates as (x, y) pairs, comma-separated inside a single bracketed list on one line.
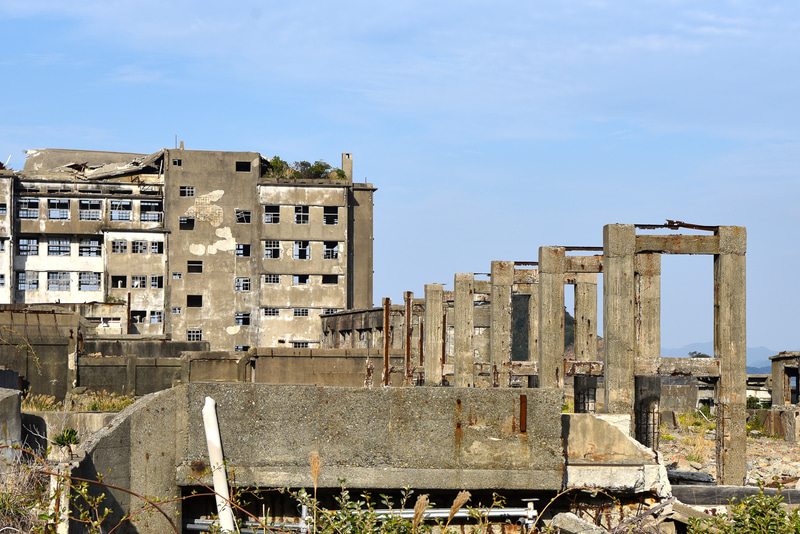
[(756, 514)]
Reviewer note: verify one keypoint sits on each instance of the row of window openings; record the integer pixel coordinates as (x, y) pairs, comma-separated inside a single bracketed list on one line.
[(243, 318), (137, 282), (272, 214), (244, 284), (29, 246), (56, 281), (140, 316), (91, 210), (301, 250), (241, 166)]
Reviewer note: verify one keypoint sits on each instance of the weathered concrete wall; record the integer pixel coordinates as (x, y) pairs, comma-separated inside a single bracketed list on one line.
[(449, 438), (10, 425), (323, 367)]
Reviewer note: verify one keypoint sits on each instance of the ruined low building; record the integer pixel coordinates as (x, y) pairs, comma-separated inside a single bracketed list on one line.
[(194, 245)]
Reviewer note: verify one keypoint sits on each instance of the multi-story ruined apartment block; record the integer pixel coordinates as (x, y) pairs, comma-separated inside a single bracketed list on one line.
[(200, 245)]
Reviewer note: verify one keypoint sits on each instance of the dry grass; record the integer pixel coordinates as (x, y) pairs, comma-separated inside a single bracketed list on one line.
[(699, 447), (22, 490)]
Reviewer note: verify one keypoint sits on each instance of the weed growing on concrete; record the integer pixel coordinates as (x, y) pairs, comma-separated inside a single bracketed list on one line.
[(100, 401), (41, 403), (756, 514)]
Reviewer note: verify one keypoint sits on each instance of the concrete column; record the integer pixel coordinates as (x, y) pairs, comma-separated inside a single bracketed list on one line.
[(619, 247), (533, 324), (464, 318), (408, 323), (551, 317), (648, 313), (730, 343), (433, 334), (586, 317), (500, 329)]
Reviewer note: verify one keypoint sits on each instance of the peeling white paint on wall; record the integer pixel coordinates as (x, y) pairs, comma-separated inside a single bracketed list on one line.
[(226, 244), (204, 210), (197, 249), (233, 329)]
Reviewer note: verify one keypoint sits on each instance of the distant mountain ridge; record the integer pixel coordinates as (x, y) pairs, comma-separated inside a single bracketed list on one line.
[(757, 357)]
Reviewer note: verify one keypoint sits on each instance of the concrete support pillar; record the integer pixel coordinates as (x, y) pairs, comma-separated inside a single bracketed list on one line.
[(464, 318), (730, 343), (433, 334), (500, 330), (646, 410), (408, 323), (648, 313), (619, 248), (551, 317), (585, 388), (533, 324), (586, 317)]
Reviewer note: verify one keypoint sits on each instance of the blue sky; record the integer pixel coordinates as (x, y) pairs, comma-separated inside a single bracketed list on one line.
[(489, 128)]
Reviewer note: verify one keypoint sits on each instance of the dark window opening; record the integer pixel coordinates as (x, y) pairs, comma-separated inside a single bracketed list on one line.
[(243, 250), (194, 267), (330, 215), (272, 214), (330, 278), (186, 223), (119, 282), (194, 301), (243, 216), (138, 316), (177, 162), (242, 166)]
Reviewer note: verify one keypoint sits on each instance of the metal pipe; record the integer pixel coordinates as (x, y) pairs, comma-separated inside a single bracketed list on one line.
[(215, 458)]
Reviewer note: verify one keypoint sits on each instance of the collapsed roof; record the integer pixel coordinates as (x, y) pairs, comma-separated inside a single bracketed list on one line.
[(91, 165)]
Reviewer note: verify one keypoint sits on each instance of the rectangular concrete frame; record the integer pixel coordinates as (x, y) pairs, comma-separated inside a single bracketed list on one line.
[(623, 304)]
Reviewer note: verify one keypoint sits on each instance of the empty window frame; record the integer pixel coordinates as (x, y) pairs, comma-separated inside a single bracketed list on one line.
[(58, 209), (58, 281), (89, 248), (241, 284), (58, 247), (119, 246), (300, 344), (176, 162), (241, 348), (89, 210), (301, 214), (243, 166), (271, 312), (156, 316), (177, 276), (119, 282), (194, 266), (186, 190), (88, 281), (151, 211), (243, 250), (2, 245), (194, 334), (3, 208), (28, 246), (272, 249), (243, 216), (2, 280), (330, 279), (194, 301), (186, 223), (28, 209), (121, 210), (331, 250), (302, 250), (156, 247), (272, 279), (138, 316), (330, 215), (300, 279), (242, 318), (139, 247), (27, 281), (156, 281), (138, 281), (272, 214), (330, 311), (176, 310), (301, 312)]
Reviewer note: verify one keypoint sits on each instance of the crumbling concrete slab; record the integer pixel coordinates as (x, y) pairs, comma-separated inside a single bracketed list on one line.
[(10, 426)]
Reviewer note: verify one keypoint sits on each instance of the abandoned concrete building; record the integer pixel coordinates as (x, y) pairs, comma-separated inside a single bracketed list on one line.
[(196, 245)]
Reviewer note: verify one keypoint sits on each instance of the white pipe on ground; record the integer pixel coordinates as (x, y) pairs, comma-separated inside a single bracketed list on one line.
[(217, 466)]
